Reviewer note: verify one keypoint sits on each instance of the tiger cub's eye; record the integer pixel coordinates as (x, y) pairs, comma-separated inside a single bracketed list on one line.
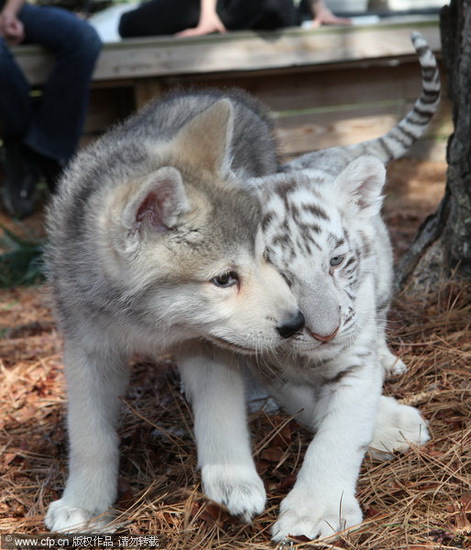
[(336, 260)]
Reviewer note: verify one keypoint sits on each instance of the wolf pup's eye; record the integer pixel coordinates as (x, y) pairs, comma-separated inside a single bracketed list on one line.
[(225, 280), (266, 255), (336, 260)]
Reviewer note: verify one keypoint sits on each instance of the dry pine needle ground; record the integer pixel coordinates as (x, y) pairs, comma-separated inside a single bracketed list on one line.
[(418, 500)]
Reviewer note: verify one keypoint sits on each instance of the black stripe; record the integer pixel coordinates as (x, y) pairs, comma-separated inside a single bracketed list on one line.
[(382, 143), (294, 211), (428, 73), (267, 220), (308, 227), (400, 128), (338, 377), (421, 112), (401, 139), (349, 262), (421, 50), (350, 295), (284, 188), (308, 247), (282, 240), (429, 97), (310, 239), (316, 211), (367, 248)]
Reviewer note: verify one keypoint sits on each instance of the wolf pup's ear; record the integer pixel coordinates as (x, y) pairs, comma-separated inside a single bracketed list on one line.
[(206, 139), (158, 202), (358, 187)]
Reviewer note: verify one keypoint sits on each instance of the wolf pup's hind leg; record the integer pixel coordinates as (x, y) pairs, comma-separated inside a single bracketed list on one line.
[(95, 380)]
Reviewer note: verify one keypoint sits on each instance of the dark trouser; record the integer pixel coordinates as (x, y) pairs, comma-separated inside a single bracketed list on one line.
[(161, 17), (53, 126)]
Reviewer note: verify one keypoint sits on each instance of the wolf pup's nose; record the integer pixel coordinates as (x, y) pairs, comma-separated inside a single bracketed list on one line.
[(295, 323)]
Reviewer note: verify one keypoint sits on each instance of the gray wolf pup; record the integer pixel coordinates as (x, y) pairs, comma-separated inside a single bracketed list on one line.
[(153, 242)]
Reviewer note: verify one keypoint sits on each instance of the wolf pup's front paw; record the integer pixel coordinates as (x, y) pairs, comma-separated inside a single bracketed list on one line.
[(237, 487), (62, 517), (314, 516)]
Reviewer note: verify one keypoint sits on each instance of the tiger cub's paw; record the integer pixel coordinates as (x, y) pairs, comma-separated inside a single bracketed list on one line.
[(397, 426)]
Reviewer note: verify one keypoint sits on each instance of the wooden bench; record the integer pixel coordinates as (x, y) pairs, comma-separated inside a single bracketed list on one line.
[(326, 86)]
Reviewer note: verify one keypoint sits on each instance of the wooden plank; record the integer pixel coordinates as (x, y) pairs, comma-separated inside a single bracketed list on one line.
[(301, 134), (286, 92), (243, 51), (250, 51), (106, 107), (298, 89), (298, 140), (392, 112), (145, 90), (425, 149)]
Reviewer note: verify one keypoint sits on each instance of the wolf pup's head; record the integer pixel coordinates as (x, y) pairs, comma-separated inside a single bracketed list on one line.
[(181, 249)]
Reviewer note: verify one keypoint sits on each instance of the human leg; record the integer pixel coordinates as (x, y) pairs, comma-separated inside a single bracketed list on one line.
[(16, 113), (257, 14), (16, 109), (159, 17), (57, 125)]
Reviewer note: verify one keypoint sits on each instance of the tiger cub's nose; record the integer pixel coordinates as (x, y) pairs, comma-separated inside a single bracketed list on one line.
[(292, 325)]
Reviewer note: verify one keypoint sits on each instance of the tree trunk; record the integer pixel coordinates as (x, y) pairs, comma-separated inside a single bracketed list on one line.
[(442, 246)]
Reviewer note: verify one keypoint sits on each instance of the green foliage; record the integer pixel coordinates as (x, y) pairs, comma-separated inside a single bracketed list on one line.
[(21, 263)]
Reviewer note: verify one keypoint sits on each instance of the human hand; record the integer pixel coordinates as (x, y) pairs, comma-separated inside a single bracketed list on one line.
[(323, 16), (11, 28), (207, 24)]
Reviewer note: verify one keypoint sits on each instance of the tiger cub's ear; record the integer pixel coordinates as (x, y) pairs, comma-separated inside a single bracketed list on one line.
[(359, 186)]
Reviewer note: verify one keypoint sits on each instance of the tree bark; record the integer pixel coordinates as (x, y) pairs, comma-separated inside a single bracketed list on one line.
[(442, 246)]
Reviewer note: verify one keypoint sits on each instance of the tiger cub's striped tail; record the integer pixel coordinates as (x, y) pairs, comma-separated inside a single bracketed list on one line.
[(398, 141)]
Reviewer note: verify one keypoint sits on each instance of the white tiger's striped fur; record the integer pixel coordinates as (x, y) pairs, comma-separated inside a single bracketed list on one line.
[(324, 233), (332, 381), (326, 163)]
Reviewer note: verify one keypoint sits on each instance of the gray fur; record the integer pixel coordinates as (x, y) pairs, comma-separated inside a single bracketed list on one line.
[(130, 152), (154, 242)]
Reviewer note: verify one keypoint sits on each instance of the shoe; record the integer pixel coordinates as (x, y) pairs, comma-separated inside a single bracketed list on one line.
[(51, 168), (21, 178)]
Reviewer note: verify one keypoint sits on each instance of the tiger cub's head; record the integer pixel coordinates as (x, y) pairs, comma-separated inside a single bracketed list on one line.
[(319, 232)]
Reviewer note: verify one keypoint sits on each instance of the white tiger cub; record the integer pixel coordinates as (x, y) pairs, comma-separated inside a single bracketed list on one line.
[(325, 235), (323, 232)]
